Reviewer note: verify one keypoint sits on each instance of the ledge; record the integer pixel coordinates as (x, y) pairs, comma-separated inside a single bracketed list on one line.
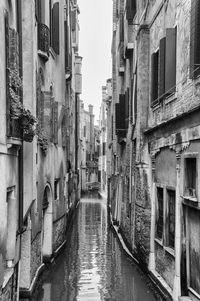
[(164, 123), (43, 55), (14, 141)]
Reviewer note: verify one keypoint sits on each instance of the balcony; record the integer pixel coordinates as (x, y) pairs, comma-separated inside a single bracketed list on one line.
[(43, 41)]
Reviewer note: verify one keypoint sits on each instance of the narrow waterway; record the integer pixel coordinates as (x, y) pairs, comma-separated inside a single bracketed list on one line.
[(93, 266)]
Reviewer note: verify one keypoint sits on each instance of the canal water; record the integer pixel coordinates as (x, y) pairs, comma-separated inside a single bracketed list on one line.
[(93, 267)]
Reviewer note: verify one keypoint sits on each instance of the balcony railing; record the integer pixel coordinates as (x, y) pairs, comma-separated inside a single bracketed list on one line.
[(43, 40)]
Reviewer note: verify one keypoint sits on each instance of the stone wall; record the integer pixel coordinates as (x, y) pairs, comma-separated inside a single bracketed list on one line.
[(59, 231), (35, 255), (9, 292)]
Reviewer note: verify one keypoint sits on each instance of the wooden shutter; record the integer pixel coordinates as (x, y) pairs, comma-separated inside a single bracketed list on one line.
[(127, 108), (73, 20), (55, 121), (170, 61), (6, 24), (194, 39), (47, 114), (154, 77), (38, 10), (121, 24), (66, 45), (122, 111), (117, 116), (13, 49), (130, 10), (162, 68), (55, 28)]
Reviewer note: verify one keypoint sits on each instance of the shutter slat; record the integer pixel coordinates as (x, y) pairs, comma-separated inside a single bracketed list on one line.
[(194, 39), (127, 108), (55, 28), (47, 114), (55, 121), (73, 20), (170, 61), (130, 9), (162, 67), (154, 77)]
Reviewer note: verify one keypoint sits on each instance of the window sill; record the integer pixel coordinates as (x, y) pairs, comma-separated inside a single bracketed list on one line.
[(170, 98), (158, 241), (13, 141), (155, 106), (43, 55), (190, 198), (170, 251), (52, 52), (167, 249)]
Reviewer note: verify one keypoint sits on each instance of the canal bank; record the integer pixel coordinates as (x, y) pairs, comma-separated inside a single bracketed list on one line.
[(155, 282), (92, 265)]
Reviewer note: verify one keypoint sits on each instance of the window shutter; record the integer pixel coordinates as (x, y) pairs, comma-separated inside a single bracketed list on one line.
[(117, 116), (55, 122), (162, 68), (121, 24), (170, 61), (66, 46), (122, 111), (47, 114), (6, 22), (130, 9), (194, 39), (38, 10), (13, 49), (154, 78), (41, 116), (127, 108), (55, 28), (73, 20)]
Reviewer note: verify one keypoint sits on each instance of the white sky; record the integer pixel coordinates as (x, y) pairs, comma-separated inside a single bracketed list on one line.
[(95, 47)]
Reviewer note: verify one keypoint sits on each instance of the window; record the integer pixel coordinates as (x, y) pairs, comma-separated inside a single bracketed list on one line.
[(171, 197), (166, 213), (130, 10), (56, 189), (190, 177), (194, 39), (104, 148), (12, 223), (163, 68), (55, 37), (159, 228), (84, 131), (154, 77)]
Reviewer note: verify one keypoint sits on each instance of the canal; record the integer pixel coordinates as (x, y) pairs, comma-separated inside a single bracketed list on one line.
[(93, 267)]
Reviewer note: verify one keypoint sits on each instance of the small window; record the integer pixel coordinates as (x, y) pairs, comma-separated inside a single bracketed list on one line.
[(154, 77), (159, 229), (171, 195), (190, 177), (56, 189)]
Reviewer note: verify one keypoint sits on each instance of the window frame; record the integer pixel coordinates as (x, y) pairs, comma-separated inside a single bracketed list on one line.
[(164, 241), (185, 157)]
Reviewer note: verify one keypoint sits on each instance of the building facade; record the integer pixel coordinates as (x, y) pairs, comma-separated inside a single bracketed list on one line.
[(89, 143), (41, 84), (154, 191)]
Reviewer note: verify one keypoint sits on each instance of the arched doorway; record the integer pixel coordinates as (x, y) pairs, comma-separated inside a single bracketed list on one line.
[(47, 229)]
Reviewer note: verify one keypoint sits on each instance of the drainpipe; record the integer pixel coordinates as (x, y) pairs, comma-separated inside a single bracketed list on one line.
[(177, 278), (153, 217), (19, 28)]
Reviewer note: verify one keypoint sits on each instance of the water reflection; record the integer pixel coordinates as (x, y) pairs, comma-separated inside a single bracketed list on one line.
[(92, 266)]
